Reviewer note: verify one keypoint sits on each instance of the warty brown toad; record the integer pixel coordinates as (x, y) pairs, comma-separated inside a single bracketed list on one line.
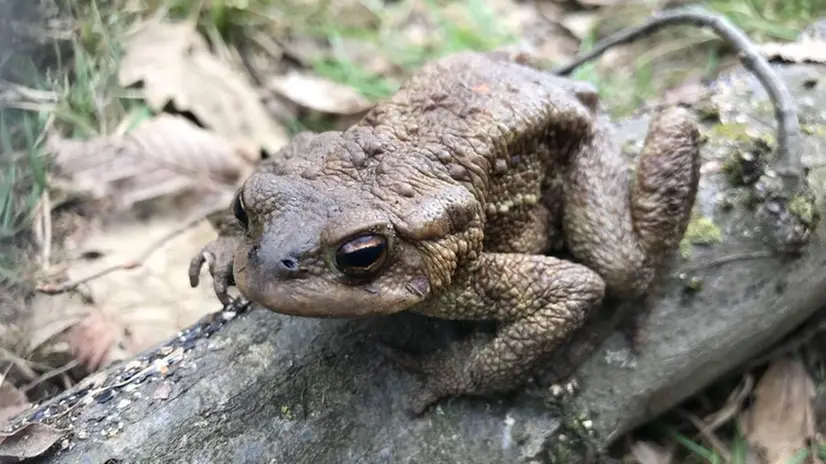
[(446, 198)]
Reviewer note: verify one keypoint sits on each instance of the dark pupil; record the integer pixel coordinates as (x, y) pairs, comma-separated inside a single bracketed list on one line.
[(239, 211), (363, 257), (361, 254)]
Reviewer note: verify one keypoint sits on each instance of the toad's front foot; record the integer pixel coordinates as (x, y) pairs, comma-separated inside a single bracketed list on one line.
[(219, 255), (444, 374)]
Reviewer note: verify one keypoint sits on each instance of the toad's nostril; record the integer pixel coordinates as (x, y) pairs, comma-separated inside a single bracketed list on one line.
[(287, 267)]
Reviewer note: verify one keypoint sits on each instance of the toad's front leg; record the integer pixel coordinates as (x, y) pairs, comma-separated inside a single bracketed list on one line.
[(219, 253), (539, 299)]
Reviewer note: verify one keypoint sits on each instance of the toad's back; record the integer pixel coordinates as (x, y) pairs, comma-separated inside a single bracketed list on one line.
[(486, 118)]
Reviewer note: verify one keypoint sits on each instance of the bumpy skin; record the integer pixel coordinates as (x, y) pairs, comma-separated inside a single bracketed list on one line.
[(460, 184)]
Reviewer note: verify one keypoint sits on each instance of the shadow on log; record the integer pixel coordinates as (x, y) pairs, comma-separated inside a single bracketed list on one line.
[(270, 388)]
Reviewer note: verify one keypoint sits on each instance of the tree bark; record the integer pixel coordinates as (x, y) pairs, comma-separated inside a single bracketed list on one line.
[(271, 388)]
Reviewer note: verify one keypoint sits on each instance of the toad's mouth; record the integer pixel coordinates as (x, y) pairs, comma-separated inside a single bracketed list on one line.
[(319, 298)]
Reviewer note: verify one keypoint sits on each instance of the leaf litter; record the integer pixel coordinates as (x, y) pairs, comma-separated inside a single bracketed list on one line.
[(319, 94), (165, 155), (125, 312), (30, 441), (114, 315), (12, 402), (780, 423), (175, 66), (646, 452)]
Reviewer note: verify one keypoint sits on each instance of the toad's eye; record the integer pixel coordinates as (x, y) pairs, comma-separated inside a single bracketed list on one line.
[(240, 211), (362, 255)]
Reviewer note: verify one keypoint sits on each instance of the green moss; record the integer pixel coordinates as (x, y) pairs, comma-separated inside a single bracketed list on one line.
[(731, 131), (629, 148), (733, 169), (765, 142), (703, 137), (692, 284), (746, 165), (708, 111), (804, 208), (287, 413), (701, 231), (686, 248), (739, 132), (695, 283), (765, 107), (818, 130)]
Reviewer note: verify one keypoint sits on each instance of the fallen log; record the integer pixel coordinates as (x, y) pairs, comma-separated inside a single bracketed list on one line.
[(270, 388)]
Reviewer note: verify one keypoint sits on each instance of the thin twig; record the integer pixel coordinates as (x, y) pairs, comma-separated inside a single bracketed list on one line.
[(54, 289), (789, 165), (712, 439), (11, 92), (46, 211), (729, 259), (733, 406), (48, 375), (24, 365)]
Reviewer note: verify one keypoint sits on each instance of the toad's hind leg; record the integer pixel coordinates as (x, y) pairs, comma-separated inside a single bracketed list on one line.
[(539, 299), (622, 227)]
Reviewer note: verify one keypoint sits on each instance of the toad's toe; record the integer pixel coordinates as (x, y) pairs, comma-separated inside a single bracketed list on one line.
[(219, 256)]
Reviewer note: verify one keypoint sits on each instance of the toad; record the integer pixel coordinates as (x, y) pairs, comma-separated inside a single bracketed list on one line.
[(448, 199)]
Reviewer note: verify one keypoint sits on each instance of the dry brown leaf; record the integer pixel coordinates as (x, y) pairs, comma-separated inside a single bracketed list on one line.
[(175, 64), (11, 336), (165, 155), (28, 442), (805, 51), (48, 317), (319, 94), (138, 307), (645, 452), (91, 340), (780, 421), (12, 402)]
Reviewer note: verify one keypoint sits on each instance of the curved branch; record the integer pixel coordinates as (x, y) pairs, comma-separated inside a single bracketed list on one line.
[(789, 165)]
